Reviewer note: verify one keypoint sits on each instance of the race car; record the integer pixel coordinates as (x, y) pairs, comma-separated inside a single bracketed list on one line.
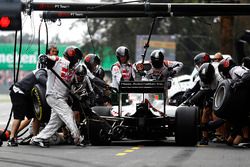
[(148, 116)]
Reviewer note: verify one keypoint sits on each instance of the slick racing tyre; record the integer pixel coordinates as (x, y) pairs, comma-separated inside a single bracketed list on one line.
[(99, 132), (223, 100), (41, 108), (101, 110), (186, 127)]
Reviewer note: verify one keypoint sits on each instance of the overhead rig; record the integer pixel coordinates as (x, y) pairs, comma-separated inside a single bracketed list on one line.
[(53, 11), (121, 10)]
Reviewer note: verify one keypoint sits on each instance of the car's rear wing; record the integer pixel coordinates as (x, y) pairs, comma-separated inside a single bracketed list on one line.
[(142, 87)]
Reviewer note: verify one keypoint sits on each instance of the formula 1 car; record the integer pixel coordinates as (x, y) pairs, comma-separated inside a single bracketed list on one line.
[(148, 116)]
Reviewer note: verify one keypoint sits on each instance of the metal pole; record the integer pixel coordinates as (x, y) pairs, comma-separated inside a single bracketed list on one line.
[(115, 14), (190, 8)]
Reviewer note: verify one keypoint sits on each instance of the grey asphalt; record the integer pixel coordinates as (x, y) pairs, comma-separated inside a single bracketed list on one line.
[(125, 154), (121, 154)]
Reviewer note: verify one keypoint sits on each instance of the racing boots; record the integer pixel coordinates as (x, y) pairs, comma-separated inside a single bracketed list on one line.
[(12, 142), (204, 141), (80, 142), (39, 142), (26, 140)]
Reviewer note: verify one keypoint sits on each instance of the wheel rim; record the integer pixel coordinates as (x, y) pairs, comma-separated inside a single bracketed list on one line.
[(219, 98)]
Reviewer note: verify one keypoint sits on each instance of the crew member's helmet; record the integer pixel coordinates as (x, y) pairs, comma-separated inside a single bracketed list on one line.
[(225, 66), (73, 54), (206, 73), (157, 58), (100, 73), (42, 61), (81, 72), (91, 61), (201, 58), (246, 62), (122, 51)]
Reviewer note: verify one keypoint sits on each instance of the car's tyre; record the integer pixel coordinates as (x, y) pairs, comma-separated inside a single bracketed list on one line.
[(186, 127), (223, 100), (41, 108), (99, 132), (102, 110)]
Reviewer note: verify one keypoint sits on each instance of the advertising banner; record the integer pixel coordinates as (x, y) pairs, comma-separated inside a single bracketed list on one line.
[(166, 43), (29, 56)]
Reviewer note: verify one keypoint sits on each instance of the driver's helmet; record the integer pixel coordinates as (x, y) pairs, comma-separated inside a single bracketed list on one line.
[(206, 73), (91, 61), (157, 58), (225, 66), (201, 58), (122, 51), (73, 54)]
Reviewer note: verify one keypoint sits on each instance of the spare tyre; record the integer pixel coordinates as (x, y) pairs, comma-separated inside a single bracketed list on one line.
[(223, 99), (41, 108)]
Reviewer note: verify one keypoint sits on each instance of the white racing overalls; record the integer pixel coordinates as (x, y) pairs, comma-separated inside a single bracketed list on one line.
[(56, 96), (121, 72)]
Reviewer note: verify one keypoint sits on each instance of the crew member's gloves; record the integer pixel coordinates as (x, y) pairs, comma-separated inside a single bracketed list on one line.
[(142, 73), (237, 85), (186, 94), (184, 97), (171, 73)]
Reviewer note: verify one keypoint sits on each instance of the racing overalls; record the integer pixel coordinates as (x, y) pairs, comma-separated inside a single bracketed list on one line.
[(56, 96), (121, 72), (20, 93), (169, 69), (239, 115)]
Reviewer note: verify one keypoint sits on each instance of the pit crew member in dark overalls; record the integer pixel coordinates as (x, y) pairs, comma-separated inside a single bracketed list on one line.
[(93, 62), (20, 94), (240, 76), (203, 90)]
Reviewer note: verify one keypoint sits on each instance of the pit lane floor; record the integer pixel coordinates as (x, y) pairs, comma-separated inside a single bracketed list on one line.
[(121, 154), (125, 154)]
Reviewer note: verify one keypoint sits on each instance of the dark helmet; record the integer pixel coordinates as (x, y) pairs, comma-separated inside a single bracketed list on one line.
[(42, 61), (90, 60), (157, 58), (246, 62), (201, 58), (81, 72), (206, 73), (73, 54), (122, 51), (100, 73), (225, 66)]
